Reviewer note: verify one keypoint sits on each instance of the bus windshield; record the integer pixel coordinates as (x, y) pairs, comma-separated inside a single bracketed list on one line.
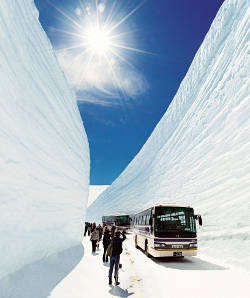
[(122, 220), (169, 220)]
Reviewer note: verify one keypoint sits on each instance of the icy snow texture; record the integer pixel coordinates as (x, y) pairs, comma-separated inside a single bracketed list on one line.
[(44, 153), (199, 153)]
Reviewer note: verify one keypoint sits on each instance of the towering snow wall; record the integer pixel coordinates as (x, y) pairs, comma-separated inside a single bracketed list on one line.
[(44, 153), (199, 153)]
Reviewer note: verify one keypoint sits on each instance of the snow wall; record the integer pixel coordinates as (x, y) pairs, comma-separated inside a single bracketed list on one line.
[(199, 153), (44, 152)]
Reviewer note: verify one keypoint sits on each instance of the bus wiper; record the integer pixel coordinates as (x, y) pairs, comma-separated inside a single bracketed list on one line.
[(172, 230)]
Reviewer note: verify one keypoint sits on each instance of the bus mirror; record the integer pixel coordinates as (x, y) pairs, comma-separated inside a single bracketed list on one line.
[(130, 219), (198, 216)]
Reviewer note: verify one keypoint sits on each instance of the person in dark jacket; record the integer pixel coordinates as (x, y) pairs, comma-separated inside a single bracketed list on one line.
[(99, 229), (86, 228), (115, 258), (113, 228), (105, 241)]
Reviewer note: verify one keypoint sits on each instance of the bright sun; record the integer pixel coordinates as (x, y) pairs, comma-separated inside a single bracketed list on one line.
[(98, 40)]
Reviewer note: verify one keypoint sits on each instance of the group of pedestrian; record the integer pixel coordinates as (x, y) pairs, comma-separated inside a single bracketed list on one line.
[(114, 235), (89, 228), (95, 233)]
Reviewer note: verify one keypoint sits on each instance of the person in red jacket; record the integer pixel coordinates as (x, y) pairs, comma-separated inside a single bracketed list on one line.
[(115, 258)]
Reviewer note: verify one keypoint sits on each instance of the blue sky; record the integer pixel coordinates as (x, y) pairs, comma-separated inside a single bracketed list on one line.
[(125, 83)]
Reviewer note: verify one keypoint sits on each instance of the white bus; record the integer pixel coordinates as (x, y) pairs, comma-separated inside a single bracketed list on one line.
[(166, 230), (120, 220)]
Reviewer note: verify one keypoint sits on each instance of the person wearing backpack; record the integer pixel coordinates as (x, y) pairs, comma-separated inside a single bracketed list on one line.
[(115, 258), (105, 241)]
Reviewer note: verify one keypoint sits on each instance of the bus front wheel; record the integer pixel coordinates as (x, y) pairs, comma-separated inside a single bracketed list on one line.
[(146, 250), (136, 246)]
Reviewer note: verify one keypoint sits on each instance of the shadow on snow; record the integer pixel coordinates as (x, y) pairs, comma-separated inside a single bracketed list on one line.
[(39, 278), (185, 263), (116, 291)]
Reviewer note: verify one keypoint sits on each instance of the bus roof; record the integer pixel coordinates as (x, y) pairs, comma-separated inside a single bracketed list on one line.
[(116, 214), (168, 204)]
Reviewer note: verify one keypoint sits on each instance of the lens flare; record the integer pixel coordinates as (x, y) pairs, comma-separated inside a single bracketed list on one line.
[(78, 11), (88, 10), (101, 7), (112, 61)]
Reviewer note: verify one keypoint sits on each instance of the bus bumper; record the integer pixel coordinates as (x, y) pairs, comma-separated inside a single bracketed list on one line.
[(174, 252)]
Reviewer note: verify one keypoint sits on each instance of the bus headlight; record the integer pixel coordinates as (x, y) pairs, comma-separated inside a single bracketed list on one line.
[(191, 245), (160, 245)]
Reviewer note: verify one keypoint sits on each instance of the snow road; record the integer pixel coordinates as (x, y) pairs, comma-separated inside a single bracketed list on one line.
[(152, 277)]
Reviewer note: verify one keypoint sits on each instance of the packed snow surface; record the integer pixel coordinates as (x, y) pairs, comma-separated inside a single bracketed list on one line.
[(78, 273), (44, 153), (199, 152)]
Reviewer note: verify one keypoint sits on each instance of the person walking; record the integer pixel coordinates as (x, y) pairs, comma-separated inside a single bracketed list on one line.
[(115, 258), (93, 226), (99, 230), (105, 241), (113, 228), (94, 238), (89, 229), (103, 228), (86, 228)]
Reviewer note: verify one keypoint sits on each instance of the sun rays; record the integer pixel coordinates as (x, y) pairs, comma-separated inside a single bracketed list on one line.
[(98, 36)]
